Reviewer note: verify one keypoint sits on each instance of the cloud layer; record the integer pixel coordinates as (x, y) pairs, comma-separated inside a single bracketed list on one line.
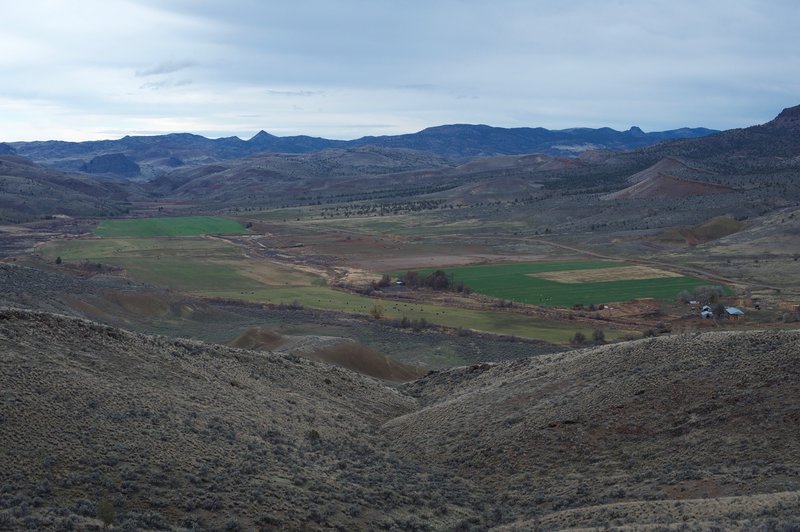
[(91, 69)]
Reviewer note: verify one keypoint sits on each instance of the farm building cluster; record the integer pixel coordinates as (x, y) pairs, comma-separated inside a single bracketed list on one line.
[(729, 312)]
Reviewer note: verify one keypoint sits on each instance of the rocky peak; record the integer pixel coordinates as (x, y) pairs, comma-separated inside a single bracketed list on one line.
[(261, 136), (636, 131), (789, 118)]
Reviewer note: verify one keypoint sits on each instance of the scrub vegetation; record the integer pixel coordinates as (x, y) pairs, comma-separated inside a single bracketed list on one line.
[(169, 226)]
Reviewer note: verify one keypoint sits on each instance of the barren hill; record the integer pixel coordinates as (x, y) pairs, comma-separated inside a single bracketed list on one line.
[(667, 186), (667, 165), (29, 191), (177, 433)]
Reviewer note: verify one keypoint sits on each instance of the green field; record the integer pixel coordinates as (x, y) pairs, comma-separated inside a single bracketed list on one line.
[(513, 282), (500, 322), (190, 264), (215, 268), (169, 226)]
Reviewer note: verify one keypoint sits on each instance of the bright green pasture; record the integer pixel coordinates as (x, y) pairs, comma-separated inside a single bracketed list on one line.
[(513, 282), (169, 226)]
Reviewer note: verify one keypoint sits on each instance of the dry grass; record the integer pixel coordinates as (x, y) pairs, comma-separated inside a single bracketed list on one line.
[(362, 359), (258, 338), (602, 275)]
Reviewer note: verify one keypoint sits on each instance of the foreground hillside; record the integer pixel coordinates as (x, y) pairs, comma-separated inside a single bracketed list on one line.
[(685, 430), (183, 433), (685, 417)]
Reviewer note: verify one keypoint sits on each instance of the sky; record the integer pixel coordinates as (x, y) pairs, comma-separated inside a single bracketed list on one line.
[(102, 69)]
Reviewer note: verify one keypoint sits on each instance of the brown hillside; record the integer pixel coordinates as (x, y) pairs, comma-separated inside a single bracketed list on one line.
[(258, 338), (181, 434), (708, 231), (493, 189), (178, 433), (667, 186), (29, 191), (360, 358), (667, 165), (687, 417), (330, 350)]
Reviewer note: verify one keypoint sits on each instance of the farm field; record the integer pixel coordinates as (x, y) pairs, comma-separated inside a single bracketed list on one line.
[(169, 226), (500, 322), (567, 283), (189, 264), (215, 268)]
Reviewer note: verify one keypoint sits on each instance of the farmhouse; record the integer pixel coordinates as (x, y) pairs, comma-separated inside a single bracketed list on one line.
[(734, 312)]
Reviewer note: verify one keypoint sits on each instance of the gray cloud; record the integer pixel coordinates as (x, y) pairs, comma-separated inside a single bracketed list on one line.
[(293, 93), (336, 69), (168, 67), (165, 84)]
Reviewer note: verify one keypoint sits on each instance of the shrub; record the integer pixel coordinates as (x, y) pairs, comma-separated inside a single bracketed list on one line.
[(376, 311), (7, 520), (579, 339), (707, 294), (85, 508), (105, 512)]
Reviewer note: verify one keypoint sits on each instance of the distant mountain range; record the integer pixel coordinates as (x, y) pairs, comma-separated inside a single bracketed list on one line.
[(101, 182), (157, 155)]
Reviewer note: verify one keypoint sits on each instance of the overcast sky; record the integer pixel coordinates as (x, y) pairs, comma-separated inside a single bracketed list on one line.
[(95, 69)]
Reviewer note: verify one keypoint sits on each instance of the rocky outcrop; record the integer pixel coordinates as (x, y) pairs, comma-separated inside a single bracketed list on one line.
[(113, 163)]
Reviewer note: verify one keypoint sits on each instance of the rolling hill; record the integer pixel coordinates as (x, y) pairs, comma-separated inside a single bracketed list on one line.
[(668, 186), (677, 418), (29, 191), (750, 147), (686, 430)]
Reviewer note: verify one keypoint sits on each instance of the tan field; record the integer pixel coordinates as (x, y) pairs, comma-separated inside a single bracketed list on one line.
[(623, 273)]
